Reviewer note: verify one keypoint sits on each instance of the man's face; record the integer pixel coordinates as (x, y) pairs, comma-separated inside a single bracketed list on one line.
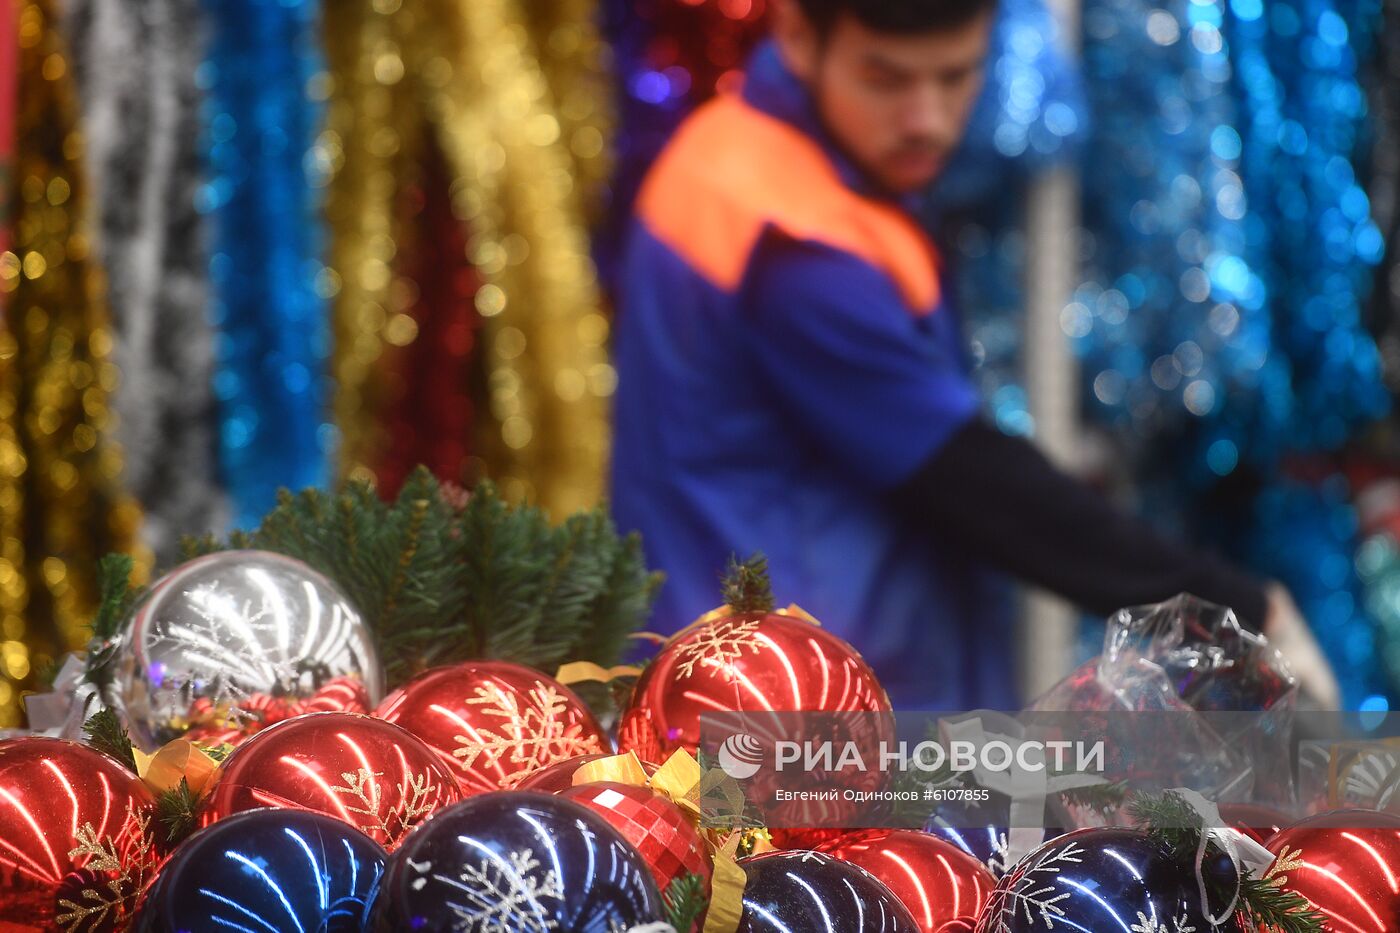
[(898, 105)]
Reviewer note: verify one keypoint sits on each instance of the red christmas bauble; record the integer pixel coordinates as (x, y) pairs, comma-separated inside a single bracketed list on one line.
[(795, 837), (1345, 863), (372, 774), (77, 844), (258, 711), (660, 830), (745, 662), (939, 883), (494, 723), (559, 777)]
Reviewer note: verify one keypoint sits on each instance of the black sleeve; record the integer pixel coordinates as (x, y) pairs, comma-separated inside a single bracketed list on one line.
[(1000, 498)]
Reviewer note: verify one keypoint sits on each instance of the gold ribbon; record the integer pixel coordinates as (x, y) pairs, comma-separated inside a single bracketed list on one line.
[(61, 505), (173, 762), (618, 769), (654, 637), (516, 95), (726, 890), (576, 672), (679, 779), (544, 430), (797, 612)]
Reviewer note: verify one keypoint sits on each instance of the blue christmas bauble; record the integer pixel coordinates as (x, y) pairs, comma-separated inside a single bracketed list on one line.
[(1100, 880), (803, 890), (516, 860), (267, 870), (981, 828)]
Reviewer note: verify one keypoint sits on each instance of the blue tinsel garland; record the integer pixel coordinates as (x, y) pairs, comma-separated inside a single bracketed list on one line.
[(263, 82), (1220, 325)]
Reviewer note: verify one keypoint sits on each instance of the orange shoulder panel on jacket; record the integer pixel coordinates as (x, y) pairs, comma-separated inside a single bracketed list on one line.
[(731, 170)]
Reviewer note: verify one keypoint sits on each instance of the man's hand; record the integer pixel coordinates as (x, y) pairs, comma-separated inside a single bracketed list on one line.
[(1287, 631)]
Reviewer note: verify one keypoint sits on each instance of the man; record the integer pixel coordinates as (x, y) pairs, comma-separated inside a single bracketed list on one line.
[(792, 380)]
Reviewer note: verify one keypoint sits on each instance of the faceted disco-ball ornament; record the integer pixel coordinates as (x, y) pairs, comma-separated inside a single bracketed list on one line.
[(1345, 863), (655, 826), (1101, 879), (267, 870), (516, 861), (493, 723), (369, 773), (804, 890), (756, 661), (939, 883), (231, 642), (77, 838)]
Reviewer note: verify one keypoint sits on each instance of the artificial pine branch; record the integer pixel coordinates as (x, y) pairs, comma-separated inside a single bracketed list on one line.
[(509, 557), (685, 900), (192, 547), (115, 599), (105, 732), (114, 594), (584, 549), (1170, 820), (443, 576), (746, 586), (412, 538), (1177, 827), (625, 598), (178, 811), (1277, 910)]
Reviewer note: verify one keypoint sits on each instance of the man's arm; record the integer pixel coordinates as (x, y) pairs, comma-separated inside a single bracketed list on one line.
[(1005, 502), (1001, 499)]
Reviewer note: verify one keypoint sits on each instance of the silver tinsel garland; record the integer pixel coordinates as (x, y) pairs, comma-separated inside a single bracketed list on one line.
[(136, 64)]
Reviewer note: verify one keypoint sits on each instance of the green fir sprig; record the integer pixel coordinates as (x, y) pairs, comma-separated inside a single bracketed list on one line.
[(685, 901), (177, 809), (1176, 826), (746, 586), (105, 732), (116, 598), (441, 576)]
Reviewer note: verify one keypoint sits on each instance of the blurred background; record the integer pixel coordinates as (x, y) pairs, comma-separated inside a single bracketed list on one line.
[(247, 244)]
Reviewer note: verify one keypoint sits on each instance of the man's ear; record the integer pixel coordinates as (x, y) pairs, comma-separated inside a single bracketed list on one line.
[(796, 37)]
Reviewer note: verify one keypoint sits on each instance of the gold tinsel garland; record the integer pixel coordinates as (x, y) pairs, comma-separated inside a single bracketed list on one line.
[(488, 78), (370, 116), (60, 510), (578, 65)]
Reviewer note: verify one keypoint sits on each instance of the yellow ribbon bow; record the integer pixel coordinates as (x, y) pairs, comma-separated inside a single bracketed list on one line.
[(180, 759), (677, 780), (581, 671), (729, 880)]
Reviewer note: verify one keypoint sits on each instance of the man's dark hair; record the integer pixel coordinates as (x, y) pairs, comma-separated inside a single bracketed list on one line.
[(904, 16)]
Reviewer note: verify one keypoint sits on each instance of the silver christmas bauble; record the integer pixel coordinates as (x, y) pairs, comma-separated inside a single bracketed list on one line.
[(231, 642)]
